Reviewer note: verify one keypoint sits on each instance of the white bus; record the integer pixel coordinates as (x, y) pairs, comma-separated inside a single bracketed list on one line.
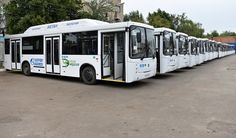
[(205, 43), (219, 46), (229, 49), (166, 50), (201, 51), (183, 50), (193, 51), (215, 49), (210, 52), (212, 49), (87, 49)]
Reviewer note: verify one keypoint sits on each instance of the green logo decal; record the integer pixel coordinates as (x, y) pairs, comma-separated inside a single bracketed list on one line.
[(67, 63)]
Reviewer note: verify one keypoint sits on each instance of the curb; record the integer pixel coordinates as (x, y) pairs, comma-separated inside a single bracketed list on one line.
[(2, 70)]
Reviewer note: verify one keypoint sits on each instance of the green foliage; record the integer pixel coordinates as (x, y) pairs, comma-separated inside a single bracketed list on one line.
[(180, 23), (185, 25), (1, 14), (161, 18), (216, 34), (212, 34), (134, 16), (228, 33), (98, 9), (21, 14)]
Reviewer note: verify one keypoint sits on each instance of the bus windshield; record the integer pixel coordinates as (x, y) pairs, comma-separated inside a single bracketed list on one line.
[(205, 44), (169, 47), (201, 47), (183, 45), (142, 42), (150, 43), (193, 47)]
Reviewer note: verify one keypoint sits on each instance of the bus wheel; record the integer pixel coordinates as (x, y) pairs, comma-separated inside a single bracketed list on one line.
[(88, 75), (26, 69)]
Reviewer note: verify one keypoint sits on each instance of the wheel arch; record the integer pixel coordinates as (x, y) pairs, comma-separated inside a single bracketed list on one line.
[(25, 61), (86, 65)]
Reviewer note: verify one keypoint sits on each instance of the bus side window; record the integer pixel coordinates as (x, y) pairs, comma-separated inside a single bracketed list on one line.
[(89, 42), (7, 46), (32, 45), (80, 43), (158, 43)]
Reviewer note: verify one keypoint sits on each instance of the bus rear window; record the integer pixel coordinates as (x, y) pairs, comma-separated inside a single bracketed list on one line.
[(7, 46)]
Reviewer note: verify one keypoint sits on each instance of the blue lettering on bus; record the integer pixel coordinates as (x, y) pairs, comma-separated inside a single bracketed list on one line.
[(52, 26), (37, 62), (73, 23)]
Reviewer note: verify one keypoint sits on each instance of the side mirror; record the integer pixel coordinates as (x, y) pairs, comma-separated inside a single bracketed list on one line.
[(139, 37)]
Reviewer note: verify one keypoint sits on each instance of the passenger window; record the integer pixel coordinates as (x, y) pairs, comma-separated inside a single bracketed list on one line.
[(89, 43), (7, 46), (84, 43), (120, 46), (169, 47), (32, 45), (71, 44)]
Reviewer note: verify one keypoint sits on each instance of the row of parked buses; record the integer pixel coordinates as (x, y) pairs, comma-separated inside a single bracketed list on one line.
[(177, 50), (94, 50)]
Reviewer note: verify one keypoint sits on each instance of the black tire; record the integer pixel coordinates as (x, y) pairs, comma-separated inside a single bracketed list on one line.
[(26, 69), (88, 75)]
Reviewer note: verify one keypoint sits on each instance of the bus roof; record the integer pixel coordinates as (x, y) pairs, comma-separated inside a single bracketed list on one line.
[(192, 37), (180, 33), (162, 29), (74, 26)]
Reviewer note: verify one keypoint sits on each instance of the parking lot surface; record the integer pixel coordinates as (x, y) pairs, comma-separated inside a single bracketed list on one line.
[(198, 102)]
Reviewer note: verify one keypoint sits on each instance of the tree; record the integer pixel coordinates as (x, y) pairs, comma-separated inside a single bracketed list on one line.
[(228, 33), (212, 34), (21, 14), (99, 9), (180, 23), (134, 16), (161, 18), (1, 15), (185, 25)]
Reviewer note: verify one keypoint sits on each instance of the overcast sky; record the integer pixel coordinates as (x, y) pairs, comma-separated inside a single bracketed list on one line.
[(217, 15)]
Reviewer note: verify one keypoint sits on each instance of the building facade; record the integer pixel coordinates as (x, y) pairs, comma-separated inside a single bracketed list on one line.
[(114, 16), (226, 39)]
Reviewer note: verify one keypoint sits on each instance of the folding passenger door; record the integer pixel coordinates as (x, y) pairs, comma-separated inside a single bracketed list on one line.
[(52, 44), (15, 54), (113, 55)]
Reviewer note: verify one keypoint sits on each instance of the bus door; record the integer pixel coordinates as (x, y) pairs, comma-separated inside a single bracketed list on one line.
[(52, 54), (15, 54), (113, 54)]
